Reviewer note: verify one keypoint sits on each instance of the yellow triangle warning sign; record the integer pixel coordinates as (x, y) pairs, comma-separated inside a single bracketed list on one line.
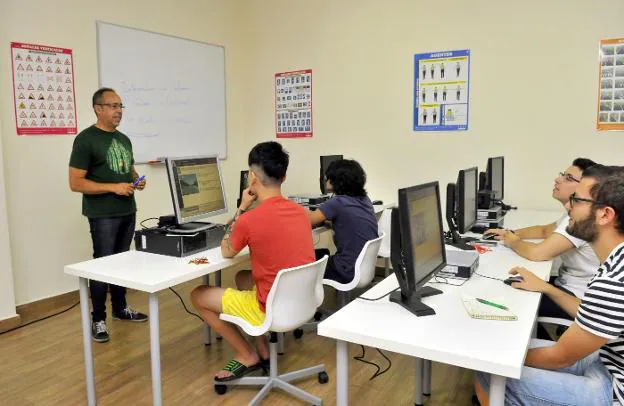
[(23, 115), (21, 96), (52, 107), (42, 115), (33, 106), (68, 89), (38, 59), (67, 71), (28, 58), (59, 89), (68, 80), (31, 97), (50, 88), (24, 123), (40, 87), (67, 62), (39, 68), (48, 69), (22, 105), (58, 61), (69, 99), (42, 106), (31, 87), (20, 86), (58, 70), (18, 57), (29, 68), (33, 115)]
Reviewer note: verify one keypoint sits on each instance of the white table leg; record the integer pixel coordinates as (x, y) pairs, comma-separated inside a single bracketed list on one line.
[(342, 373), (155, 350), (427, 377), (218, 284), (86, 340), (418, 382), (207, 332), (497, 390)]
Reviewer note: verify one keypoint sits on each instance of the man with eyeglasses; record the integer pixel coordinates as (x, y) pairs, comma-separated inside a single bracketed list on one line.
[(578, 260), (586, 366), (101, 167)]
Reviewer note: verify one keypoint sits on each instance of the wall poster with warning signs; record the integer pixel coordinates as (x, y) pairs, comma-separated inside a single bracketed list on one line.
[(43, 90)]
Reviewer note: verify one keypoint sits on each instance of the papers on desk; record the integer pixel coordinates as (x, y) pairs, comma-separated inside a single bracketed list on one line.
[(478, 308)]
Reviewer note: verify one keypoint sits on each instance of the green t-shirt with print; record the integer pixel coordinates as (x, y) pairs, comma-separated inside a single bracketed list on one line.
[(107, 158)]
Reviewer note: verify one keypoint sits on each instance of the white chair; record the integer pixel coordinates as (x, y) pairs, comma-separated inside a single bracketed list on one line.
[(364, 271), (293, 299), (384, 225)]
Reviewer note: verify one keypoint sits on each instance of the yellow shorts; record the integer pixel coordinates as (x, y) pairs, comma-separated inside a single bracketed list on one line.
[(243, 304)]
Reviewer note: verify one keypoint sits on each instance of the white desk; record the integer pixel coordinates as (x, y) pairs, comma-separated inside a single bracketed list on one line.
[(148, 273), (450, 336)]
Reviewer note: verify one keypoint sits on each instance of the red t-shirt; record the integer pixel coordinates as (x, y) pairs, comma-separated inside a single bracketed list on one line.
[(279, 236)]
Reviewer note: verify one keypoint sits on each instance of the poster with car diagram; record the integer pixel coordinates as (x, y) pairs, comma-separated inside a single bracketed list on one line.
[(293, 104), (441, 90), (611, 85)]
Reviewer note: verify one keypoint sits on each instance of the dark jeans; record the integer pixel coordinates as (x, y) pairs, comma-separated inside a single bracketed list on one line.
[(548, 308), (330, 270), (110, 235)]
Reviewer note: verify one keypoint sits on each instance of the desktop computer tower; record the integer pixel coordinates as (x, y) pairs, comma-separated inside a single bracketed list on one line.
[(159, 241)]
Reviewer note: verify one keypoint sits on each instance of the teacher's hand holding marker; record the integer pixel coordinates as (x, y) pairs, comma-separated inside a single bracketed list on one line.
[(139, 183)]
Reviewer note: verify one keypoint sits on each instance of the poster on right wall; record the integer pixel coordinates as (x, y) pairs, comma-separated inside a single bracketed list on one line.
[(611, 85)]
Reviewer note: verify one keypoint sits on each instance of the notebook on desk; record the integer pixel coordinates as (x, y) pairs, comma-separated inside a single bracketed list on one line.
[(485, 309)]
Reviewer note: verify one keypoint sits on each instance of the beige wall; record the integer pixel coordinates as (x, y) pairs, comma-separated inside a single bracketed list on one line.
[(533, 90), (7, 297), (533, 99), (47, 229)]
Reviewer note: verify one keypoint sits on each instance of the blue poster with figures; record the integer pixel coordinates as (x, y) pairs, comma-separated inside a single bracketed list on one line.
[(441, 90)]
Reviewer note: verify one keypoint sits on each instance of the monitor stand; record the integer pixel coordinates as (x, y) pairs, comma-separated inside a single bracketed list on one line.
[(190, 228), (413, 302)]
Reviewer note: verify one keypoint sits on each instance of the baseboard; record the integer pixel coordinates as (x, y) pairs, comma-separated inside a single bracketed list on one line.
[(11, 322), (45, 307)]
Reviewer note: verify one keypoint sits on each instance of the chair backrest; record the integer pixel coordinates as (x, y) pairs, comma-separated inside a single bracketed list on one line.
[(295, 295), (384, 225), (366, 262)]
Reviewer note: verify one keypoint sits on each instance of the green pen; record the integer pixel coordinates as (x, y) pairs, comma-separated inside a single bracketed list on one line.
[(487, 302)]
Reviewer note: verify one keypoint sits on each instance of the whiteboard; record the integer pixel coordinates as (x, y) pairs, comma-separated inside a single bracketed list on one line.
[(174, 90)]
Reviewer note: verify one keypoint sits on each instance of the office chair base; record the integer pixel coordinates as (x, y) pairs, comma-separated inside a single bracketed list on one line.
[(280, 382)]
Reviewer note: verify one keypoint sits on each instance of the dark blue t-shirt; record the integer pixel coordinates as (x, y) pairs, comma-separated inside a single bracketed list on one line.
[(354, 224)]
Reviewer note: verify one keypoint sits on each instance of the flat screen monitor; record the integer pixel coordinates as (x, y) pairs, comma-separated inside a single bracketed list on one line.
[(496, 177), (325, 161), (244, 184), (196, 188), (467, 199), (421, 245)]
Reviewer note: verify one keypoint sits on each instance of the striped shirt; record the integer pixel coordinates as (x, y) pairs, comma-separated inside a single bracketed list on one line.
[(602, 313)]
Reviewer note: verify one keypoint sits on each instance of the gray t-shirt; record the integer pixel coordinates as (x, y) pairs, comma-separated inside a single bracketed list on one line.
[(354, 224)]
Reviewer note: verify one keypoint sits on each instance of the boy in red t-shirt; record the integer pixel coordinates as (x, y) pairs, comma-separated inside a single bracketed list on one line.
[(279, 236)]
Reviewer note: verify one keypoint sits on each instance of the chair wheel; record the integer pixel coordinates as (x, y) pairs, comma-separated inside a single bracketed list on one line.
[(220, 389), (323, 377), (298, 333), (318, 316)]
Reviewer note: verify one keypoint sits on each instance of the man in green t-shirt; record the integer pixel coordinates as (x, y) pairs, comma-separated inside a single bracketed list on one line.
[(101, 167)]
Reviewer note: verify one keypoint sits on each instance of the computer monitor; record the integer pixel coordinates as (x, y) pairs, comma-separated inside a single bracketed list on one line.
[(325, 161), (196, 190), (417, 245), (244, 184), (461, 207), (496, 177)]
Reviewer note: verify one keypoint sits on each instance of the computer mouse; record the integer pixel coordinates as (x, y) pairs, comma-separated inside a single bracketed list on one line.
[(488, 236), (513, 279)]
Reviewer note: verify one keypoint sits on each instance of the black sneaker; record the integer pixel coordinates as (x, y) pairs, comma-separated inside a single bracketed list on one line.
[(99, 332), (130, 314)]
